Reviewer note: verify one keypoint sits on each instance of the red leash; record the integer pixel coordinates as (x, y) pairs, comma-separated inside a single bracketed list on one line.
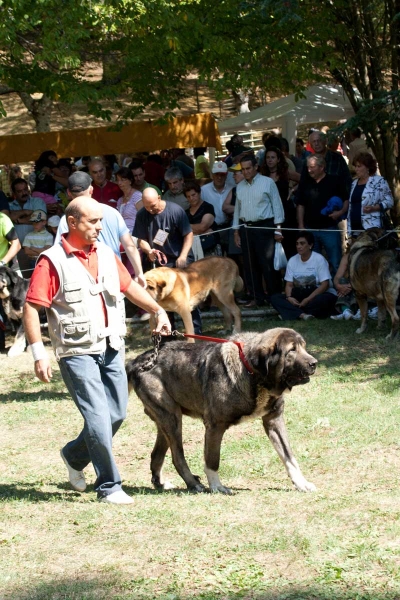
[(240, 345), (160, 256)]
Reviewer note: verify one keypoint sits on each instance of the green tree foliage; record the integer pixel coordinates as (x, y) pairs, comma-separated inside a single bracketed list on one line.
[(144, 50)]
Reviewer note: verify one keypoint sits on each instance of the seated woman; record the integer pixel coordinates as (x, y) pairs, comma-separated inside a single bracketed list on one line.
[(308, 290), (370, 193), (201, 217)]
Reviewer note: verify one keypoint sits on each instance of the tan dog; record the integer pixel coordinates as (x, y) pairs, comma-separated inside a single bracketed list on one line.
[(181, 290), (375, 273)]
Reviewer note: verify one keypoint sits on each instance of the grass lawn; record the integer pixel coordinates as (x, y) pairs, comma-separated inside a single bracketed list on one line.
[(267, 541)]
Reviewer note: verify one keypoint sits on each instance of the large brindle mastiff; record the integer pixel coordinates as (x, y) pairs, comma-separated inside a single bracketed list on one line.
[(209, 381), (374, 271)]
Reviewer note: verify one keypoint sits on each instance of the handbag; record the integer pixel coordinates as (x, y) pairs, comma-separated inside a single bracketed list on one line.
[(208, 242), (386, 221), (280, 260)]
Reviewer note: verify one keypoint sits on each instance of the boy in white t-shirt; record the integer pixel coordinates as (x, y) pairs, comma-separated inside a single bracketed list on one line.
[(39, 239)]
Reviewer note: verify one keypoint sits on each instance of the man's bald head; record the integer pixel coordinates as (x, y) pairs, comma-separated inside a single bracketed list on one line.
[(152, 201), (84, 217)]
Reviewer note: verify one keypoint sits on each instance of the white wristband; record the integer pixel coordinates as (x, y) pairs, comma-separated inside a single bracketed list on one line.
[(38, 351)]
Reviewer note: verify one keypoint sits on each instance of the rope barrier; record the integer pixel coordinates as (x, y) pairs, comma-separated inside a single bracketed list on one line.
[(282, 229)]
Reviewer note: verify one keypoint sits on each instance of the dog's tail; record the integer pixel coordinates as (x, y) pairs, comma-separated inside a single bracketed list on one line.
[(238, 285)]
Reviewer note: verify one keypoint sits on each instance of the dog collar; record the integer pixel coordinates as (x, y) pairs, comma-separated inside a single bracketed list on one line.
[(240, 346)]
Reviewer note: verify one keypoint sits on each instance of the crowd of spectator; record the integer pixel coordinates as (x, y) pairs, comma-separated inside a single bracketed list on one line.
[(240, 206)]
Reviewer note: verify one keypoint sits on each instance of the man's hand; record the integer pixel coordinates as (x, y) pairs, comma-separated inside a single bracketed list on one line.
[(163, 325), (278, 236), (140, 279), (43, 370), (181, 262), (343, 289), (236, 238), (336, 214), (152, 255)]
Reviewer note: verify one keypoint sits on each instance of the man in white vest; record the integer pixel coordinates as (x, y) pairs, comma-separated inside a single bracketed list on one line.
[(80, 283)]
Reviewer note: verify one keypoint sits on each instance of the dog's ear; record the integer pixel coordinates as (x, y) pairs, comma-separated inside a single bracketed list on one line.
[(265, 359)]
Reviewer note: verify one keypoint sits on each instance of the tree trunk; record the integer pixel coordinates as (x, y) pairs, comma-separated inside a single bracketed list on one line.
[(40, 110)]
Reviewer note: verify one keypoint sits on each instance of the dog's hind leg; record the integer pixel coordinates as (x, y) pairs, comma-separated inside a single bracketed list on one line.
[(275, 428), (363, 304), (157, 460), (391, 308), (170, 424), (381, 314), (212, 447), (230, 310), (225, 312), (391, 292)]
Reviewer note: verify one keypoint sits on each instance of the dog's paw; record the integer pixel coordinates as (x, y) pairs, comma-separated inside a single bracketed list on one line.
[(221, 489), (305, 486), (391, 336), (197, 489), (360, 330)]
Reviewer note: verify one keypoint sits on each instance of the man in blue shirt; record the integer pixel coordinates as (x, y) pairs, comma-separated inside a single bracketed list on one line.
[(114, 230)]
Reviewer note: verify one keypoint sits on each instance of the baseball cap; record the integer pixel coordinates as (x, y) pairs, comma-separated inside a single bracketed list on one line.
[(54, 221), (219, 167), (79, 181), (237, 167), (37, 216)]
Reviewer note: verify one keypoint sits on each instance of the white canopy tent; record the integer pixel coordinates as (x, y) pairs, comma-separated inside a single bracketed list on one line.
[(322, 103)]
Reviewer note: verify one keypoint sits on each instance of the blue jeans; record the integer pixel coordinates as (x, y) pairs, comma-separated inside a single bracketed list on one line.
[(331, 242), (98, 386)]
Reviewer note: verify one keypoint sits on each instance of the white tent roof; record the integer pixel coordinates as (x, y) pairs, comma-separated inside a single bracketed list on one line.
[(322, 103)]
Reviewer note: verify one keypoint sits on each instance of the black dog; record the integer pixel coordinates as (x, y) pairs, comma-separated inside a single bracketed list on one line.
[(13, 290), (209, 381)]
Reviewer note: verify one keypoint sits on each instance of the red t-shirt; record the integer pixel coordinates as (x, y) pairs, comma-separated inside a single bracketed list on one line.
[(107, 194), (45, 282)]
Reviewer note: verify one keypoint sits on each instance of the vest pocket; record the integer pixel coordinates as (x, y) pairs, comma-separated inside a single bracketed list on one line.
[(76, 331), (73, 292)]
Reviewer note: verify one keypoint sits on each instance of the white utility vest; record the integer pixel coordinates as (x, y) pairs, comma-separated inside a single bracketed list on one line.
[(76, 317)]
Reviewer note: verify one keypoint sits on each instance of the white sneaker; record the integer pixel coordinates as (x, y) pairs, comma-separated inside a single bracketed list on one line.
[(347, 314), (76, 478), (117, 498), (357, 316), (306, 317), (373, 313), (337, 317)]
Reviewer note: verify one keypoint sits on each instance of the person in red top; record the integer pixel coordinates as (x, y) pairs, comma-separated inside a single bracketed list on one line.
[(104, 191), (77, 282)]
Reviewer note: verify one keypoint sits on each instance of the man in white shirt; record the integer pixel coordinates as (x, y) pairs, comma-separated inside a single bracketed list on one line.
[(217, 191), (259, 210)]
